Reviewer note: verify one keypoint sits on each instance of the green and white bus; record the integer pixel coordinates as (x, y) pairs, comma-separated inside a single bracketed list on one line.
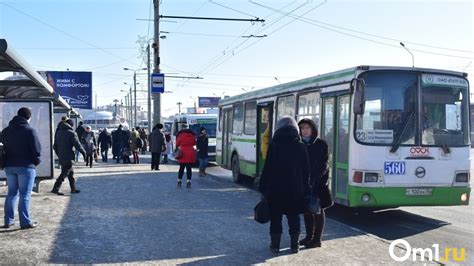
[(397, 136)]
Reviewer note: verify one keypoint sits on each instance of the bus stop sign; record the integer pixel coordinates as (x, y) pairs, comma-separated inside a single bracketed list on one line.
[(157, 83)]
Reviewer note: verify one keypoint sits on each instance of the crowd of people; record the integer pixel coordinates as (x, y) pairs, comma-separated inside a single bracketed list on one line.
[(295, 169)]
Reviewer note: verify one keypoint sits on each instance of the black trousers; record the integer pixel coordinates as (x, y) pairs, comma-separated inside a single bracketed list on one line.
[(189, 173), (155, 160), (66, 171), (293, 223), (89, 159)]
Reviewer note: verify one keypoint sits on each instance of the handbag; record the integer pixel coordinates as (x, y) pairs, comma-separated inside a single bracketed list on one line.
[(178, 153), (326, 197), (312, 204), (3, 157), (261, 211)]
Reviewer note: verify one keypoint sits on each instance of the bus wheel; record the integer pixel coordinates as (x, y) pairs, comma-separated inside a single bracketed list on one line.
[(236, 175)]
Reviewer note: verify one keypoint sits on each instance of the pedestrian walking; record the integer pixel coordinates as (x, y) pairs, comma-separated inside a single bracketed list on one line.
[(90, 144), (23, 151), (64, 142), (202, 146), (284, 181), (135, 144), (80, 130), (169, 147), (318, 161), (185, 141), (105, 142), (144, 138), (157, 145)]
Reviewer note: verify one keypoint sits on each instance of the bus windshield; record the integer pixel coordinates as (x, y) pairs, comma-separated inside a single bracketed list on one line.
[(391, 114), (390, 104), (210, 129)]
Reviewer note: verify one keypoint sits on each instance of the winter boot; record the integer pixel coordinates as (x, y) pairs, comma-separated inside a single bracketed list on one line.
[(295, 247), (319, 221), (275, 244), (309, 226)]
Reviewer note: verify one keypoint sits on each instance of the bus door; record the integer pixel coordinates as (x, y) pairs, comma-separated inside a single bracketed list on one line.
[(226, 141), (335, 130), (264, 133)]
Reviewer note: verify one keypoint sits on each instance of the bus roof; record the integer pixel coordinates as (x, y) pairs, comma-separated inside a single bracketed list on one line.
[(341, 76)]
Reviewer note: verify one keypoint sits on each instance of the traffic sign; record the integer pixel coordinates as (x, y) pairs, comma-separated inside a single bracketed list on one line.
[(157, 83)]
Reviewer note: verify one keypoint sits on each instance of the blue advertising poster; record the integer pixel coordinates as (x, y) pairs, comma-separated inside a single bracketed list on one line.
[(208, 101), (74, 87)]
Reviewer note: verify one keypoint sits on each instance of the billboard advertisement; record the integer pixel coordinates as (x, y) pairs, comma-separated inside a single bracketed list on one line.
[(208, 102), (74, 87)]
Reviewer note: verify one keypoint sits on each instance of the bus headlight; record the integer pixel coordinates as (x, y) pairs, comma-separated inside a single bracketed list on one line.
[(462, 177), (464, 197), (371, 177)]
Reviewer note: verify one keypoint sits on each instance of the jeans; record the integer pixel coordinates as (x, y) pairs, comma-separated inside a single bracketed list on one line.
[(104, 153), (20, 182), (203, 163), (293, 223)]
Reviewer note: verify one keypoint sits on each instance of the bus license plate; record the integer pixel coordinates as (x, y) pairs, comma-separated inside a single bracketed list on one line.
[(419, 191)]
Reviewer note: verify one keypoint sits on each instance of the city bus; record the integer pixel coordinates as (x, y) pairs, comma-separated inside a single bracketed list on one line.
[(195, 122), (397, 136)]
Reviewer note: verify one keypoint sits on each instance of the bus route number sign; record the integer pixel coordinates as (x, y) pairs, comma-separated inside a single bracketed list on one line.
[(394, 168)]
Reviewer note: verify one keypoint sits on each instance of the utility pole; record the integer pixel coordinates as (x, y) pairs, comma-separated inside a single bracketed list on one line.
[(149, 87), (156, 60), (131, 104), (179, 107), (135, 96)]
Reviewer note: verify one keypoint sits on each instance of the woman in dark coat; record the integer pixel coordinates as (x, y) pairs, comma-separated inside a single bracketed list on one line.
[(318, 160), (202, 149), (285, 181), (185, 140)]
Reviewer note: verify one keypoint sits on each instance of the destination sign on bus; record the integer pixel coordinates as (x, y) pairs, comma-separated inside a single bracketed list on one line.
[(443, 80)]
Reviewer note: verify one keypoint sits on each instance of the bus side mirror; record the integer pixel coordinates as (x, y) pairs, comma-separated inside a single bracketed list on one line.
[(358, 89)]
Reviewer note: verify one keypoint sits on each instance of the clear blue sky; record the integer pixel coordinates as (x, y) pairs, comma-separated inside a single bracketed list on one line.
[(101, 36)]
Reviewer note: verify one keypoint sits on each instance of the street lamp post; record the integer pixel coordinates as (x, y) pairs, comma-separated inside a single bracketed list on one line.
[(179, 107), (134, 92)]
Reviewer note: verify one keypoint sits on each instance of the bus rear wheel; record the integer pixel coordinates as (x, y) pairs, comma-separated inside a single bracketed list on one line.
[(236, 175)]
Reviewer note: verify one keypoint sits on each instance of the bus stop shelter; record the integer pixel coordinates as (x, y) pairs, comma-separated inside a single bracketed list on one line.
[(25, 87)]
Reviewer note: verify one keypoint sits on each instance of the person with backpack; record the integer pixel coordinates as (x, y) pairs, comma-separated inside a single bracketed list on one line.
[(90, 144), (135, 144)]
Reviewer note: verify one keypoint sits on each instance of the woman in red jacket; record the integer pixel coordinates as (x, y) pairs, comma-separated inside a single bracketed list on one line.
[(185, 140)]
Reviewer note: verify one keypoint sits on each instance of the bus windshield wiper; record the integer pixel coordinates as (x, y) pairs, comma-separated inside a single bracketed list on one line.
[(396, 144)]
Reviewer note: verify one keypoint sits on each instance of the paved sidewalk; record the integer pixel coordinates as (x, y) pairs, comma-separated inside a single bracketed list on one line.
[(129, 214)]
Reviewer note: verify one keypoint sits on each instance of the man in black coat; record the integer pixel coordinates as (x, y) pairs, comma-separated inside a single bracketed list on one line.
[(157, 145), (23, 151), (105, 142), (64, 142), (285, 181)]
